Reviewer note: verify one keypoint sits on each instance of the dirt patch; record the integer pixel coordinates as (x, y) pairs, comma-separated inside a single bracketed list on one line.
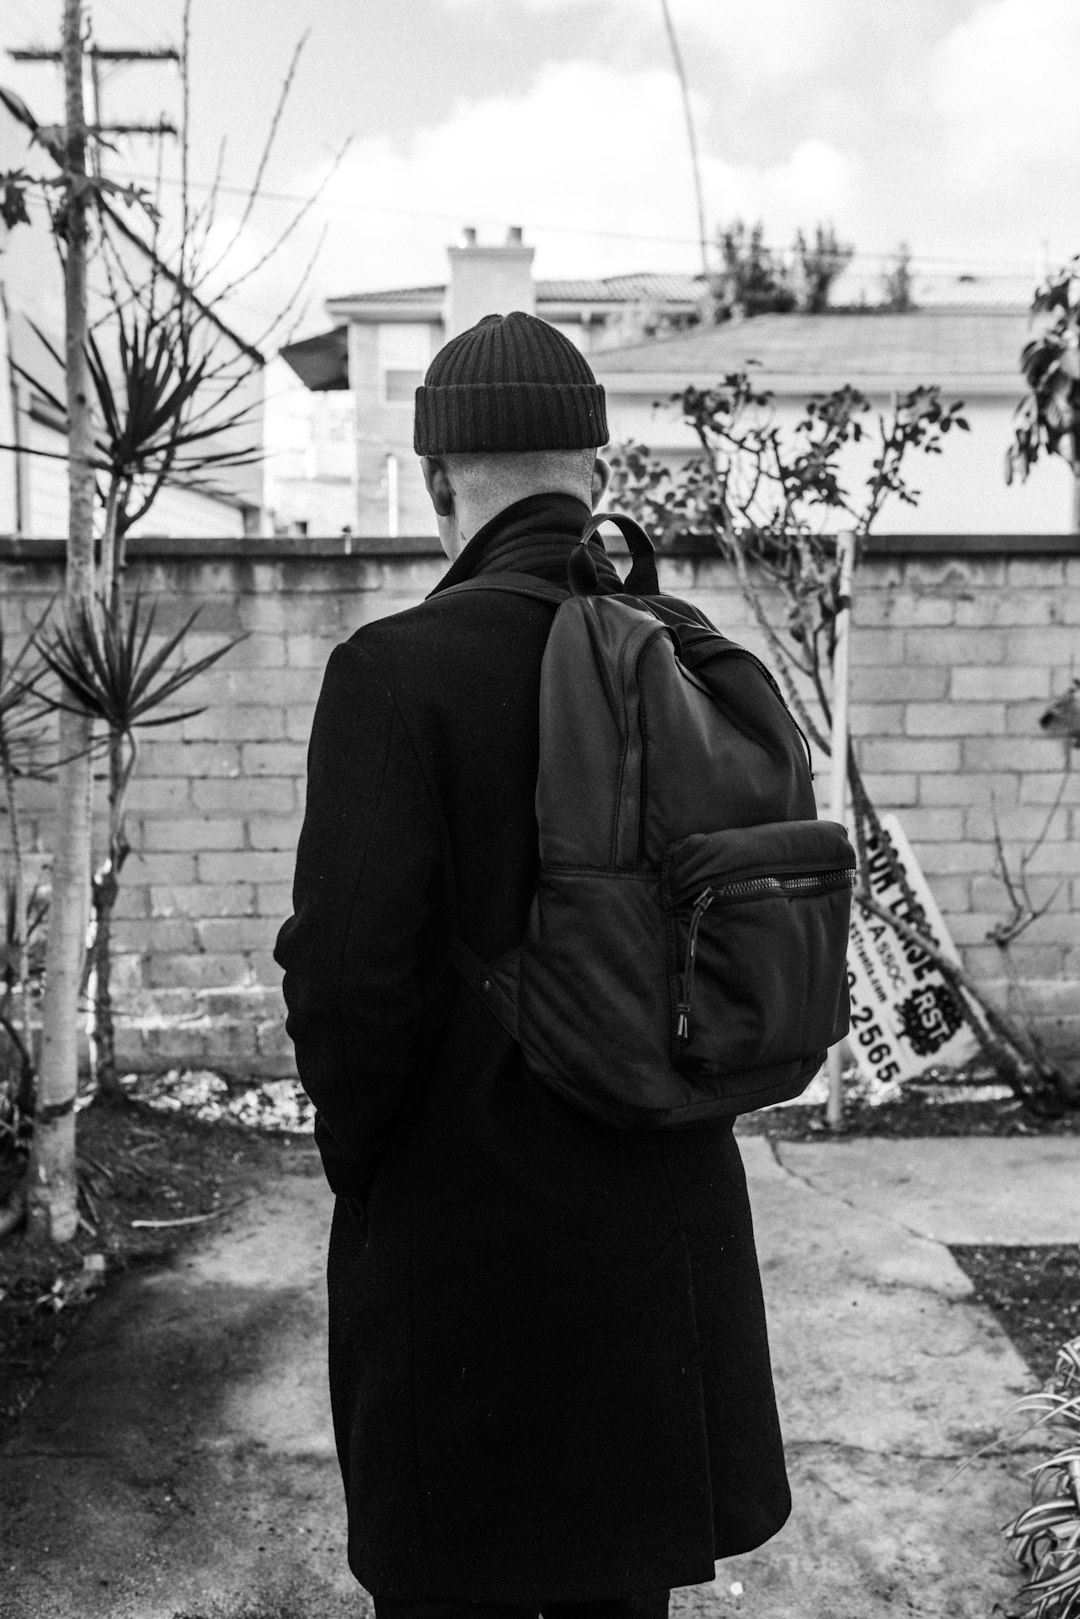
[(139, 1169), (1034, 1292), (931, 1110)]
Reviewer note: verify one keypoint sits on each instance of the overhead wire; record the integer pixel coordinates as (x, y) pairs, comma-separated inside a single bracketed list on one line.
[(129, 21), (297, 199)]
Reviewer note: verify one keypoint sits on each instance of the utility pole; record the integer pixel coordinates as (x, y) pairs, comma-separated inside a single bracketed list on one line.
[(52, 1189), (95, 55)]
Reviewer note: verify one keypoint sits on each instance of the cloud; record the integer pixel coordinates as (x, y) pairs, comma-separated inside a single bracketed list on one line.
[(1005, 84), (766, 40), (763, 41), (592, 162)]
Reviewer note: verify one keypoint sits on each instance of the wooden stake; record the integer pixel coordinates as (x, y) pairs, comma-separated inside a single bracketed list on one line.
[(845, 557)]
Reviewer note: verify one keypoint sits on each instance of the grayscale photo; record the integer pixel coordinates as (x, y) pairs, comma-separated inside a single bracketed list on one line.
[(539, 809)]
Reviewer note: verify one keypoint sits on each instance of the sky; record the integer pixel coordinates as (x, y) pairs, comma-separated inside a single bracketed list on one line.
[(946, 124)]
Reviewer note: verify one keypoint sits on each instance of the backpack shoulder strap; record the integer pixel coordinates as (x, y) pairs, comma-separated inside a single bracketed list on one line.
[(642, 579)]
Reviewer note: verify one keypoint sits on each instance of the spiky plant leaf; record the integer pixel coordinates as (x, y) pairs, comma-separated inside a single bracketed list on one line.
[(106, 667), (21, 708)]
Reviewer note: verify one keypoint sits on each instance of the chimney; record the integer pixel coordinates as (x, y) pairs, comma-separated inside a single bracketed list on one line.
[(488, 280)]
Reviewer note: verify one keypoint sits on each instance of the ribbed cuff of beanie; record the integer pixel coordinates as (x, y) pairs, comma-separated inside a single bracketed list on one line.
[(502, 417)]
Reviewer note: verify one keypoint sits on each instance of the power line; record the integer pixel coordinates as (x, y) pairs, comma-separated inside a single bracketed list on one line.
[(96, 54), (1003, 266), (126, 18)]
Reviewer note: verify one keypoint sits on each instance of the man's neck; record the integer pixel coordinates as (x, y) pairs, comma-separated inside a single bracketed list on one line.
[(472, 516)]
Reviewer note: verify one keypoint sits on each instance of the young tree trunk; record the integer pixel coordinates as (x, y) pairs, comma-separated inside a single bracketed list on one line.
[(52, 1212), (105, 886)]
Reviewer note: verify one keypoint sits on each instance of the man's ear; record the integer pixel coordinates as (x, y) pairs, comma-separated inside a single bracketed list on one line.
[(438, 485), (601, 477)]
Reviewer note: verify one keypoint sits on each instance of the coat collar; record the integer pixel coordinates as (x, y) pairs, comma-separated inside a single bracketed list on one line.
[(535, 535)]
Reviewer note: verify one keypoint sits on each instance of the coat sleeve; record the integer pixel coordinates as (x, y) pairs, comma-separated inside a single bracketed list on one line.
[(364, 898)]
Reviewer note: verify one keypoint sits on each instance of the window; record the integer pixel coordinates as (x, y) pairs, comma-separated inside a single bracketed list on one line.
[(405, 350), (400, 385)]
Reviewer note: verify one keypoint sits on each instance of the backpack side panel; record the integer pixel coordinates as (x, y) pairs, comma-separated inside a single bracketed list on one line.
[(589, 792)]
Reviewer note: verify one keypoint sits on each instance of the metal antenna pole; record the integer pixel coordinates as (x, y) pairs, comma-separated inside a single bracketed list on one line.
[(691, 136)]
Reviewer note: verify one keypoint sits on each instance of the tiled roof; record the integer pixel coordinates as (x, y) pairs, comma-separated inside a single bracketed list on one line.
[(925, 345), (621, 289), (612, 289), (394, 295)]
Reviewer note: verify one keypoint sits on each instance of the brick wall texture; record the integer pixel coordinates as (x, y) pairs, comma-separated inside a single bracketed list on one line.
[(954, 659)]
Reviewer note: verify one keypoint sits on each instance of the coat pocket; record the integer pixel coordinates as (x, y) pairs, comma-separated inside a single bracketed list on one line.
[(757, 923)]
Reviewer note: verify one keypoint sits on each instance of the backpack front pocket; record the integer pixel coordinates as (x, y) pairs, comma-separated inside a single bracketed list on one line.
[(757, 921)]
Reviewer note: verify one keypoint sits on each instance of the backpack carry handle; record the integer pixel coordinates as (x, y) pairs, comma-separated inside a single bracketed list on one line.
[(642, 580)]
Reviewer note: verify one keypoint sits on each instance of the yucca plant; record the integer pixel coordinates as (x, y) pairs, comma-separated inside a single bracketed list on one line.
[(107, 666), (1045, 1537)]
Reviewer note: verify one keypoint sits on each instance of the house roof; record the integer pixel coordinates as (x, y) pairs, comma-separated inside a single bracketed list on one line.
[(621, 289), (322, 362), (394, 295), (976, 348), (608, 289)]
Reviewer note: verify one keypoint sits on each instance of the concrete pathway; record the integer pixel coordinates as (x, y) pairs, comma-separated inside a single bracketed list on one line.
[(978, 1189), (121, 1497), (889, 1377)]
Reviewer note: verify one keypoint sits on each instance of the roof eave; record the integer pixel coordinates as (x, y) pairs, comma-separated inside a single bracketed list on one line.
[(575, 308), (367, 312), (803, 383)]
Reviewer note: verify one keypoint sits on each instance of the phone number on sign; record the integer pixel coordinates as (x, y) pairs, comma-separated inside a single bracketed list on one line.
[(877, 1048)]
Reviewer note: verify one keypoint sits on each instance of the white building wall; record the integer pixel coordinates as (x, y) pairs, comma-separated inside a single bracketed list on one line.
[(46, 512), (175, 511), (961, 491), (190, 513)]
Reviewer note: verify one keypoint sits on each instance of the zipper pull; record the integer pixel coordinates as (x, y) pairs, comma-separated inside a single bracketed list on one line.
[(682, 1022)]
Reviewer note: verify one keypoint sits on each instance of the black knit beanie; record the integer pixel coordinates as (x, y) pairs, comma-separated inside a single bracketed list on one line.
[(511, 382)]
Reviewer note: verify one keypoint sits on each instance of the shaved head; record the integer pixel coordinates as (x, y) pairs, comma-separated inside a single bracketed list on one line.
[(482, 479)]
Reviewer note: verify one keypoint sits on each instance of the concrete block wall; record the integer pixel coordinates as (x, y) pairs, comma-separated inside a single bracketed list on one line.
[(954, 658)]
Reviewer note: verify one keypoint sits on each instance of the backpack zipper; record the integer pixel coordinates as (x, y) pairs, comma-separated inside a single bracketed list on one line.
[(701, 905), (819, 881)]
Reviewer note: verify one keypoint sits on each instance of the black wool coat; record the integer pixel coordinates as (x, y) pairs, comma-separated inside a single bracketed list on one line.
[(548, 1361)]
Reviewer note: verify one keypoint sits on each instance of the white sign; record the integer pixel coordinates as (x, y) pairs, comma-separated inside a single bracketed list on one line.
[(905, 1016)]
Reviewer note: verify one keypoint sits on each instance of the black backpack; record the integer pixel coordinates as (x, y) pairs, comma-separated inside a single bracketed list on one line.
[(685, 956)]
